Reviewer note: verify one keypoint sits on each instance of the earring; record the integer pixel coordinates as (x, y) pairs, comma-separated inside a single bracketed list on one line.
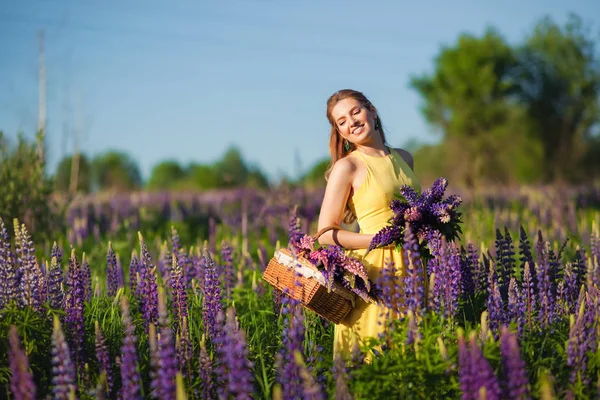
[(346, 144), (377, 126)]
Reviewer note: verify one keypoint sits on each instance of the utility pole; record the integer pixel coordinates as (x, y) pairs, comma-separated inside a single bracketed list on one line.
[(76, 157), (41, 96)]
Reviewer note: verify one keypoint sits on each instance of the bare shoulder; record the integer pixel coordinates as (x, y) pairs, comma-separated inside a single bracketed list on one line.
[(344, 166), (406, 156)]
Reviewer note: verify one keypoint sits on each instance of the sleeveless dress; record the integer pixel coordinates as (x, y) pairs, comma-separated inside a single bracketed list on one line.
[(370, 203)]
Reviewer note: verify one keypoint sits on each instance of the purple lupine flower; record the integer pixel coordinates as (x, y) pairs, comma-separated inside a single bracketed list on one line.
[(504, 262), (21, 380), (529, 298), (495, 306), (526, 258), (64, 377), (130, 375), (412, 214), (312, 389), (483, 374), (185, 349), (452, 288), (411, 195), (307, 243), (392, 296), (212, 298), (515, 386), (103, 357), (112, 272), (577, 345), (466, 274), (414, 284), (8, 274), (176, 246), (30, 282), (399, 207), (413, 335), (447, 280), (315, 356), (441, 212), (207, 379), (340, 374), (154, 362), (516, 306), (56, 253), (579, 269), (147, 286), (480, 276), (56, 294), (571, 289), (187, 267), (293, 336), (74, 306), (546, 314), (178, 292), (561, 308), (385, 237), (294, 231), (555, 266), (234, 368), (436, 192), (227, 271), (86, 278), (466, 374), (167, 355), (198, 264), (134, 267)]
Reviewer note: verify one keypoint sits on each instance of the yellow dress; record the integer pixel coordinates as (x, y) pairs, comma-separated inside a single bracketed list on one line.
[(370, 203)]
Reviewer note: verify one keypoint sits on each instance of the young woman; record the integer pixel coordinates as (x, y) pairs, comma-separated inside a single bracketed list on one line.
[(365, 174)]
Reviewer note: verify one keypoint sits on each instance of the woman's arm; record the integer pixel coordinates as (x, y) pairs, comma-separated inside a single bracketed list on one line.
[(334, 202)]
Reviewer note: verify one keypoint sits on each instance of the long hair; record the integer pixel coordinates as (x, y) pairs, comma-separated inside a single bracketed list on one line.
[(336, 142)]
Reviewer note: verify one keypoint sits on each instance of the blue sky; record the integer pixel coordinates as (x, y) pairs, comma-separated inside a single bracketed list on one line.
[(185, 80)]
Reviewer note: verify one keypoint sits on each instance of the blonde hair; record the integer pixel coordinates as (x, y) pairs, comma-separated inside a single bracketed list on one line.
[(336, 142)]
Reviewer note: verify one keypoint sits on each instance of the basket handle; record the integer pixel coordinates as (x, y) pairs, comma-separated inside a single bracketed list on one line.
[(326, 229)]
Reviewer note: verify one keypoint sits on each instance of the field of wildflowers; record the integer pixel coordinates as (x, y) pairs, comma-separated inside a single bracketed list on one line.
[(160, 296)]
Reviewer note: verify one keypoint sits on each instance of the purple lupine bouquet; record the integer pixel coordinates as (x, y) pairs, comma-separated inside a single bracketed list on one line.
[(337, 267), (425, 213)]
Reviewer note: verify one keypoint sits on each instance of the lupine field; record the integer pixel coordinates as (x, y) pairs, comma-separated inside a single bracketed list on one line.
[(159, 295)]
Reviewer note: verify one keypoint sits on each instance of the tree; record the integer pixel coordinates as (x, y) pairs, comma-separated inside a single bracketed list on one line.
[(467, 99), (26, 189), (203, 177), (231, 169), (116, 171), (166, 175), (559, 78), (62, 177)]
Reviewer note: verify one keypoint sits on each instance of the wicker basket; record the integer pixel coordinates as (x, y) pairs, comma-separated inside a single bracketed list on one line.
[(298, 278)]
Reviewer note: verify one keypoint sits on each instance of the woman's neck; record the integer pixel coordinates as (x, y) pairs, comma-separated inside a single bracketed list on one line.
[(376, 149)]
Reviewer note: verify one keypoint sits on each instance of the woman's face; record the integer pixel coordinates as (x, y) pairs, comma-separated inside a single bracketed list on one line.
[(353, 120)]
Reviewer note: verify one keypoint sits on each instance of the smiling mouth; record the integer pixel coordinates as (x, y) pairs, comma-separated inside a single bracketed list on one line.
[(357, 129)]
